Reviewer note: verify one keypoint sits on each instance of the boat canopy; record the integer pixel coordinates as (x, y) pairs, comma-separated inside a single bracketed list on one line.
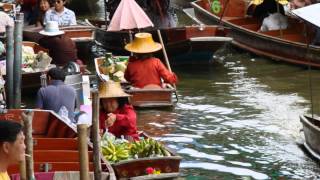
[(257, 2), (309, 13)]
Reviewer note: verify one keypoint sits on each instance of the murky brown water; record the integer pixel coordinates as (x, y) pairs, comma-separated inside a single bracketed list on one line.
[(237, 119)]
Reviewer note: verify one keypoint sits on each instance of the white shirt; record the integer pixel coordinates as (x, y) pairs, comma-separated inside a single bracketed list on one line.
[(65, 18), (5, 20), (274, 21)]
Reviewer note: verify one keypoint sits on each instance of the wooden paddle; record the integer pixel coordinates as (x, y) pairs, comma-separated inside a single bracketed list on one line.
[(167, 60)]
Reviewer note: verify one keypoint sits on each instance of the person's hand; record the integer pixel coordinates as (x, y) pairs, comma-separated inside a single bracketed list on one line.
[(110, 120)]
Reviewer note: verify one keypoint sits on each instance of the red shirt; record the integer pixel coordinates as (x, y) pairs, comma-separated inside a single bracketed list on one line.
[(125, 124), (148, 71)]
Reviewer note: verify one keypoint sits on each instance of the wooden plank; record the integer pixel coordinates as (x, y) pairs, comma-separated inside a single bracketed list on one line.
[(55, 144), (58, 156)]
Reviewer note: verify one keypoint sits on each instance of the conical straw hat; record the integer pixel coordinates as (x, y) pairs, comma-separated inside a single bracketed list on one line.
[(111, 89), (143, 43)]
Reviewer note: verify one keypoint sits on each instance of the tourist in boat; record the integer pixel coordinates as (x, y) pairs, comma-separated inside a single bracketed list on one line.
[(5, 20), (12, 145), (61, 48), (116, 114), (143, 69), (57, 96), (274, 21), (61, 14), (43, 7)]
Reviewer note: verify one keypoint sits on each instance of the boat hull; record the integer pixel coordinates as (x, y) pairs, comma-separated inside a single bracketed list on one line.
[(55, 144), (311, 129), (270, 44)]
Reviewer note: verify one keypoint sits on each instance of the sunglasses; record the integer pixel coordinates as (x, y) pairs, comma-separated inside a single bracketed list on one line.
[(58, 1)]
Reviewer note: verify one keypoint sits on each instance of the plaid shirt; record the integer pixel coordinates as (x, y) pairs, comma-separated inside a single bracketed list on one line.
[(65, 18)]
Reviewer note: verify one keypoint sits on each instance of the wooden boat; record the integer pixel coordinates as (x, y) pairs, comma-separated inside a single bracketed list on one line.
[(78, 33), (135, 168), (288, 45), (311, 129), (188, 41), (53, 150), (144, 98)]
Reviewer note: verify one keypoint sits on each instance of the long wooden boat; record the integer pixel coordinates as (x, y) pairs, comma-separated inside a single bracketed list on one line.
[(78, 33), (188, 41), (311, 129), (55, 144), (288, 45), (144, 98)]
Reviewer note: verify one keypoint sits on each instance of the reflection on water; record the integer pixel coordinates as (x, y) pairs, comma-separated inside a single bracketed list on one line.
[(238, 120)]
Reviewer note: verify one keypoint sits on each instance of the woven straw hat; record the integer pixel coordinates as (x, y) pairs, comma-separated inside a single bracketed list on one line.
[(111, 89), (143, 43)]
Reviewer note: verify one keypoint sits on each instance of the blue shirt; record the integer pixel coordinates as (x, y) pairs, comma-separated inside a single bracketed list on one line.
[(55, 96), (65, 18)]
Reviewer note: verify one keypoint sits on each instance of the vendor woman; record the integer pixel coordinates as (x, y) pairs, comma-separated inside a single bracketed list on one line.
[(116, 113), (144, 69)]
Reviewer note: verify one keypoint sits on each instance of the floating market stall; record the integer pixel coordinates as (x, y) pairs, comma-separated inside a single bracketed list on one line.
[(144, 98)]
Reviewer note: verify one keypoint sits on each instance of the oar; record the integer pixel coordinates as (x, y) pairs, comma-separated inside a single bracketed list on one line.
[(167, 60)]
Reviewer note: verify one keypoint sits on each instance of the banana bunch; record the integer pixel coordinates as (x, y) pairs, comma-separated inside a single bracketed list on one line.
[(115, 152), (148, 148)]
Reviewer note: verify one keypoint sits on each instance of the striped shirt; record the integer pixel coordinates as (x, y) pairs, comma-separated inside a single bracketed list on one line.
[(65, 18)]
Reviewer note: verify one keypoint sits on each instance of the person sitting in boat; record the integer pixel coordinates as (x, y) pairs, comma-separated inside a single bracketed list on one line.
[(5, 20), (116, 114), (274, 21), (58, 96), (12, 145), (143, 69), (61, 48), (61, 14), (43, 7)]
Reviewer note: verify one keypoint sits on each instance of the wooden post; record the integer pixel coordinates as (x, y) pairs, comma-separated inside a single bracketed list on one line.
[(23, 172), (18, 27), (166, 60), (83, 151), (9, 66), (27, 121), (95, 135)]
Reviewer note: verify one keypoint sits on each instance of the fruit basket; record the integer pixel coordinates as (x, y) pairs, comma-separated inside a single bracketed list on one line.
[(141, 158)]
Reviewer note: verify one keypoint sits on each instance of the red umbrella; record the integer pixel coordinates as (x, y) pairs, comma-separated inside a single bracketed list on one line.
[(129, 15)]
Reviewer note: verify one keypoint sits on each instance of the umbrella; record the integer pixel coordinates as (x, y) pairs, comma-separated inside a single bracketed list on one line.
[(129, 15), (309, 13)]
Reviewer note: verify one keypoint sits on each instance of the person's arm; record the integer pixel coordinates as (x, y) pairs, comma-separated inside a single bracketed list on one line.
[(39, 102), (166, 75), (73, 20), (126, 119), (46, 17)]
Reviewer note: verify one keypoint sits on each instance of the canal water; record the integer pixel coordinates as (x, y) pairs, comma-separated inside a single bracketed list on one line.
[(237, 118)]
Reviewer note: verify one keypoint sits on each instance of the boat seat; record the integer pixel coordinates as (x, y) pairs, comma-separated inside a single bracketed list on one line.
[(55, 144), (58, 156), (51, 166)]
